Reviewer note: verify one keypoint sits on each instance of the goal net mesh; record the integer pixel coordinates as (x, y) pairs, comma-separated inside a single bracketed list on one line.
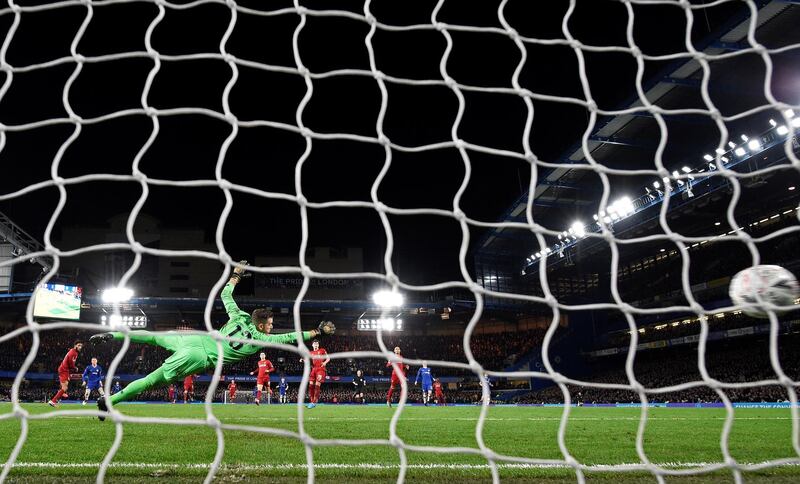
[(16, 14)]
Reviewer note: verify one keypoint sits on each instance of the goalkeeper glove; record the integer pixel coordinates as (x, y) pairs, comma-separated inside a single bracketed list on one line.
[(326, 328)]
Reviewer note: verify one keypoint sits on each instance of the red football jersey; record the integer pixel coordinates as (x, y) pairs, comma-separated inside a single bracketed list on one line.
[(232, 387), (188, 381), (69, 361), (319, 352), (437, 386), (171, 391), (401, 365), (264, 368)]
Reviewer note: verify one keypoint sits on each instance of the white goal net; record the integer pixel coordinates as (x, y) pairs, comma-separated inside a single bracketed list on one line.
[(224, 67)]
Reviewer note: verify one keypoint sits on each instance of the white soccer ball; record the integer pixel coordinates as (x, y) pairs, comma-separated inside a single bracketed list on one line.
[(773, 284)]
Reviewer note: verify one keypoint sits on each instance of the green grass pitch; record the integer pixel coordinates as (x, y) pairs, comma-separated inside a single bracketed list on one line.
[(69, 448)]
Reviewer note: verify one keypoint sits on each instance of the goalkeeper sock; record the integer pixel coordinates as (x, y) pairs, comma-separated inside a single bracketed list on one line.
[(156, 378)]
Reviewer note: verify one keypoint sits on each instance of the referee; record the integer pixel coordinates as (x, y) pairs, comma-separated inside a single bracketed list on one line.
[(359, 383)]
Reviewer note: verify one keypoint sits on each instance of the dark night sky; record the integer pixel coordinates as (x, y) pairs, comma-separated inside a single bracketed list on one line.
[(265, 158)]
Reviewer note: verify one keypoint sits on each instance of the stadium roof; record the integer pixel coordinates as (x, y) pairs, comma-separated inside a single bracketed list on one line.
[(628, 141)]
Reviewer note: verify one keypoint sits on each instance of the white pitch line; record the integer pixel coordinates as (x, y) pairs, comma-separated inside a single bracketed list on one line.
[(373, 466)]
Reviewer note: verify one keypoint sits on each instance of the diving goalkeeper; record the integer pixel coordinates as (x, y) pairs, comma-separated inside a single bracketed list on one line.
[(198, 353)]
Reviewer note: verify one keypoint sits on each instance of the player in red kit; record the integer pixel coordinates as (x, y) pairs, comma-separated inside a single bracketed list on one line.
[(69, 364), (264, 369), (188, 388), (396, 375), (438, 393), (171, 393), (318, 374), (232, 391)]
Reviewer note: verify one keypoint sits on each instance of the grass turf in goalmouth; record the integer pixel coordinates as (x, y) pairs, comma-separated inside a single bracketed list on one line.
[(69, 448)]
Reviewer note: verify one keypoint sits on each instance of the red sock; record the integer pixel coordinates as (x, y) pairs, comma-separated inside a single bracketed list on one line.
[(57, 398), (258, 395), (312, 390), (389, 395), (316, 393)]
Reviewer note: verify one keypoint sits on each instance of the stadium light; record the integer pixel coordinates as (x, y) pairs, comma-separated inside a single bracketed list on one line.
[(796, 122), (720, 151), (578, 229), (754, 144), (772, 123), (740, 152), (745, 138), (725, 159), (656, 185), (782, 130), (708, 157), (117, 295), (731, 144), (387, 299), (624, 206), (789, 113), (686, 169)]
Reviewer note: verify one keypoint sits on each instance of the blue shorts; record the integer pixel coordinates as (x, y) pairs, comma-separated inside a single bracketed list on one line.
[(426, 387), (283, 392), (93, 385)]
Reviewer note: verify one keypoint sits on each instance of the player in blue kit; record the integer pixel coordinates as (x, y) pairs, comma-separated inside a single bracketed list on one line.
[(282, 388), (425, 375), (92, 380)]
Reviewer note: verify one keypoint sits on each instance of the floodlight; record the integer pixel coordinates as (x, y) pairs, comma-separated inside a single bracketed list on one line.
[(720, 151), (686, 169), (796, 122), (772, 123), (740, 152), (782, 130), (578, 228), (754, 144), (387, 299), (789, 113), (712, 167), (624, 206), (731, 144), (708, 157), (117, 295), (745, 138), (725, 159), (656, 185)]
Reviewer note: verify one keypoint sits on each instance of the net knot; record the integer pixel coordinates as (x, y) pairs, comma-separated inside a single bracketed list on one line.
[(440, 26), (231, 118), (303, 71), (379, 75), (16, 8), (450, 82), (301, 200), (306, 271), (306, 132), (231, 3), (396, 441), (224, 184), (786, 381), (151, 111), (79, 58), (383, 140), (459, 215), (460, 144), (370, 18), (213, 421), (20, 412), (301, 10), (229, 58)]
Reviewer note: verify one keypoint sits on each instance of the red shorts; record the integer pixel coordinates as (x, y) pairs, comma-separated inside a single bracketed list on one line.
[(262, 381), (395, 379), (189, 388), (317, 374), (63, 376)]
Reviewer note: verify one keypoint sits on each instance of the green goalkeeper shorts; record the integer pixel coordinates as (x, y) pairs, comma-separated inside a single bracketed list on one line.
[(189, 355)]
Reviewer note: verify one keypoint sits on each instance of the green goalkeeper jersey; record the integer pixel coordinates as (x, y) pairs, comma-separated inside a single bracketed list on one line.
[(240, 325)]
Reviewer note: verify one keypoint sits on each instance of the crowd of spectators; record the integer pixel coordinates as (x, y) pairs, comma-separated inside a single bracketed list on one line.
[(745, 360)]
